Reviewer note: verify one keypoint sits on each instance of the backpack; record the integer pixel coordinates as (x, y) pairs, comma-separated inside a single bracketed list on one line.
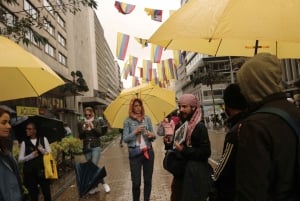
[(294, 125)]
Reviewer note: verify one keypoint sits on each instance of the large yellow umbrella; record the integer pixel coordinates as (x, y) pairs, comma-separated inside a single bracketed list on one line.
[(23, 74), (158, 103), (233, 28)]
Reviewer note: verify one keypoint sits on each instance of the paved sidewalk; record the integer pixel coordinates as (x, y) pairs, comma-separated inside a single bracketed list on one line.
[(115, 159)]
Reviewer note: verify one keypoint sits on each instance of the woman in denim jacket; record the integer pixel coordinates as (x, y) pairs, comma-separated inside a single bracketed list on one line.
[(138, 134)]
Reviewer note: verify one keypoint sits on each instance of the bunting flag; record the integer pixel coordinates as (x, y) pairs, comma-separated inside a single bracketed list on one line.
[(147, 72), (133, 62), (155, 76), (156, 15), (126, 70), (122, 45), (169, 63), (163, 68), (141, 72), (135, 81), (177, 57), (156, 52), (124, 8), (143, 42)]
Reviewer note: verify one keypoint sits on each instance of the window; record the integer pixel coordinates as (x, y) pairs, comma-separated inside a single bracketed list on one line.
[(60, 21), (61, 40), (50, 50), (49, 7), (62, 59), (48, 27), (29, 35), (8, 17), (30, 9)]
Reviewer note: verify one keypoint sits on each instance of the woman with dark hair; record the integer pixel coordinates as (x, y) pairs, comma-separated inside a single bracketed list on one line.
[(31, 154), (138, 134), (10, 182)]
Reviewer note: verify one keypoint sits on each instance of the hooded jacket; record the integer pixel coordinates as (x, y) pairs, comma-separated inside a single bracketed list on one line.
[(266, 155)]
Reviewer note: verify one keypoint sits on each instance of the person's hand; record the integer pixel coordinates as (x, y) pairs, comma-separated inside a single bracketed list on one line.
[(35, 153), (139, 129), (178, 147), (149, 134)]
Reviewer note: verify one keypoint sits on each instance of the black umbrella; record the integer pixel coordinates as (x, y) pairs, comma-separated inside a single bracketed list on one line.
[(88, 175), (51, 128)]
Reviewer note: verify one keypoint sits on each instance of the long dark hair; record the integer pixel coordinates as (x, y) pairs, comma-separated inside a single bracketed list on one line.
[(5, 144)]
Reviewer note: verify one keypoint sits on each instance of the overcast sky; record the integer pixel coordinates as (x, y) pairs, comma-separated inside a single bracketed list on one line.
[(135, 24)]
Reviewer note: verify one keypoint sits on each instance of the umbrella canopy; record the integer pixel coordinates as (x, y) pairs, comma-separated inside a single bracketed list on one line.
[(23, 74), (158, 102), (88, 175), (51, 128), (233, 28)]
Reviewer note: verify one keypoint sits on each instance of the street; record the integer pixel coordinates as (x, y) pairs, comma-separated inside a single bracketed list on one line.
[(115, 159)]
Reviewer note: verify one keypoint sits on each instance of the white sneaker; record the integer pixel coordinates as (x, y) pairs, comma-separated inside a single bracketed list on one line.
[(94, 190), (106, 188)]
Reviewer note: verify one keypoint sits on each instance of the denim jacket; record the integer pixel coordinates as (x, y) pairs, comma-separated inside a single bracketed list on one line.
[(130, 125)]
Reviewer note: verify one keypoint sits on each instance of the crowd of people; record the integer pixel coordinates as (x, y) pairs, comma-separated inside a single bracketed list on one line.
[(260, 159)]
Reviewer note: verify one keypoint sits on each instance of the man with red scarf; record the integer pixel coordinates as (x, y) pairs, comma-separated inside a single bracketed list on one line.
[(138, 134), (195, 184)]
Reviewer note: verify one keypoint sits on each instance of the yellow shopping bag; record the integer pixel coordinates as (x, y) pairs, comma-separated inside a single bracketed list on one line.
[(50, 167)]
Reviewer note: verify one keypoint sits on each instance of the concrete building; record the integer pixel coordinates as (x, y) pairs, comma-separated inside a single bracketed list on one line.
[(75, 43)]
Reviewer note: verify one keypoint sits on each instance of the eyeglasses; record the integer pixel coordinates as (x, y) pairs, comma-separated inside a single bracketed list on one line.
[(30, 128), (88, 115)]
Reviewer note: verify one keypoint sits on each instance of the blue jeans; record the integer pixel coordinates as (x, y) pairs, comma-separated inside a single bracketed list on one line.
[(93, 154), (136, 165)]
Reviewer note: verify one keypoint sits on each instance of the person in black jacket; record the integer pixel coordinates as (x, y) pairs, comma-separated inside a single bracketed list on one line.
[(195, 184), (266, 161), (224, 174)]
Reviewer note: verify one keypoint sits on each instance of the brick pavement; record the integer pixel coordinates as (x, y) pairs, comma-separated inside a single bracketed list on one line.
[(115, 159)]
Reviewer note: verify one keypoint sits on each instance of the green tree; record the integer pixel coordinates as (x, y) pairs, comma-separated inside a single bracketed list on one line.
[(209, 77), (24, 24)]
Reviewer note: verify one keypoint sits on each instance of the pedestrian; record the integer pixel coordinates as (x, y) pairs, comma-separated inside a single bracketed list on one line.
[(169, 126), (266, 162), (195, 185), (121, 139), (138, 134), (31, 154), (68, 131), (224, 174), (10, 183), (90, 130)]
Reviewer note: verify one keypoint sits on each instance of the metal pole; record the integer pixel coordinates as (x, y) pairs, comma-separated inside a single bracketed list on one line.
[(231, 71)]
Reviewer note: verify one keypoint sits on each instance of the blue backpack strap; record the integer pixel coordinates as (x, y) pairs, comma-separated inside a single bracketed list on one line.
[(292, 123)]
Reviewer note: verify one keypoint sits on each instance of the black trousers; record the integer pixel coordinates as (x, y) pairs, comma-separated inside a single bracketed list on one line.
[(137, 164), (32, 181)]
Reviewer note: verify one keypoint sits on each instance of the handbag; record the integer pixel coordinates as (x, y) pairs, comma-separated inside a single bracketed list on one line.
[(160, 130), (134, 151), (174, 163), (50, 166)]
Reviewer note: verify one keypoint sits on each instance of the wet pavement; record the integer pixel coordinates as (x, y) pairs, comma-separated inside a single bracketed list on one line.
[(115, 160)]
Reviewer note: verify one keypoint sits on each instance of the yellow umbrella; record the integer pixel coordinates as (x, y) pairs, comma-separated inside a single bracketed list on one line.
[(233, 28), (23, 74), (158, 103)]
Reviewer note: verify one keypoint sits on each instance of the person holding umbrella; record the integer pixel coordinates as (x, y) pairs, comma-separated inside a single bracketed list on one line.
[(10, 183), (138, 134), (31, 154), (89, 131)]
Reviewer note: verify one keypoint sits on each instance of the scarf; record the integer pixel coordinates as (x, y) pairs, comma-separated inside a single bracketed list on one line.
[(190, 99)]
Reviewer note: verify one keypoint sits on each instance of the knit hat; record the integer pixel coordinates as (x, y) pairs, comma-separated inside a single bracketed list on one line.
[(260, 76), (189, 99)]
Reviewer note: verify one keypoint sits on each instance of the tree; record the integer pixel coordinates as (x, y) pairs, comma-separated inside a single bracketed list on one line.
[(19, 27), (78, 84), (209, 77)]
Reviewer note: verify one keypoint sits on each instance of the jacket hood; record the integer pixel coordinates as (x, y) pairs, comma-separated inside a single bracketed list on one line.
[(259, 77)]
